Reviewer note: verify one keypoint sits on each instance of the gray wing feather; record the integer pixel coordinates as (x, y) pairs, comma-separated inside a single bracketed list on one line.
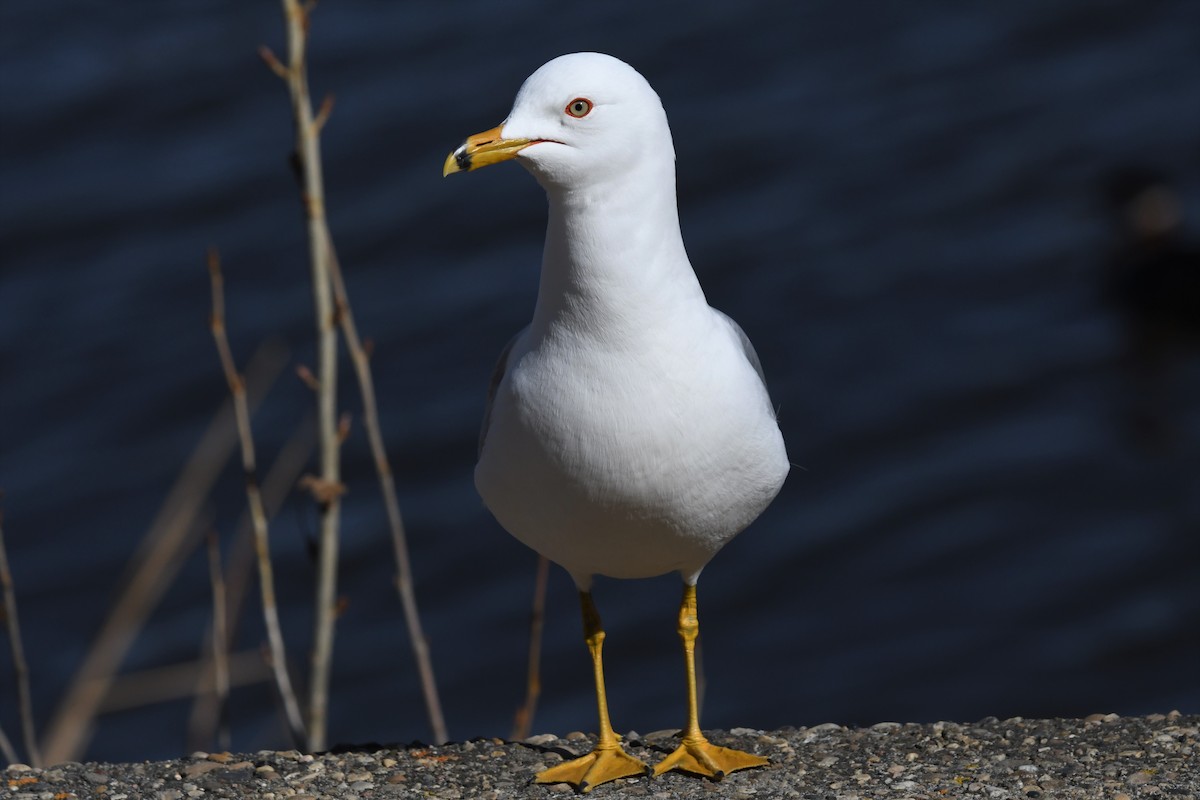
[(494, 385)]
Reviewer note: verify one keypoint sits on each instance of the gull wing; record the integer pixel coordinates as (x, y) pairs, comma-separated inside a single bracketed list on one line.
[(494, 384)]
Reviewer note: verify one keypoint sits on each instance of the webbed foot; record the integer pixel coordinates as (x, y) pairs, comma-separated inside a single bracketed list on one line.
[(700, 757), (599, 766)]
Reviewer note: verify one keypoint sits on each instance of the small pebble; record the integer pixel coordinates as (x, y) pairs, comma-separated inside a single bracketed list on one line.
[(199, 768)]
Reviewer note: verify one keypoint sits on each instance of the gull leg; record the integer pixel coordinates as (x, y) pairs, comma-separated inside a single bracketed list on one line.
[(607, 762), (696, 754)]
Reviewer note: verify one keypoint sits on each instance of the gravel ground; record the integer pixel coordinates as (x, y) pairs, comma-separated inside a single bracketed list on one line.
[(1102, 757)]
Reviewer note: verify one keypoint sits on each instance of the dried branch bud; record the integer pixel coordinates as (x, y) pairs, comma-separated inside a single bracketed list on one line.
[(343, 605), (322, 115), (305, 374), (368, 347), (269, 57), (313, 206), (323, 491), (343, 428)]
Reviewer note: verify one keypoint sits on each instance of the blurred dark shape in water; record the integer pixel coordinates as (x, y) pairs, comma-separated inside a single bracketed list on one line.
[(1153, 283)]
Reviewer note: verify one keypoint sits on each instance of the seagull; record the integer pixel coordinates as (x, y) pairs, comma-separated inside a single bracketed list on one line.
[(628, 430)]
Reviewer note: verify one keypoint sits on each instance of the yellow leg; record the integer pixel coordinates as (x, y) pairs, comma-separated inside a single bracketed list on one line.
[(607, 762), (696, 754)]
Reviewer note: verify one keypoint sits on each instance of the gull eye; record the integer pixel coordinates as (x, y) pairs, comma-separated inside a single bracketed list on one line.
[(579, 107)]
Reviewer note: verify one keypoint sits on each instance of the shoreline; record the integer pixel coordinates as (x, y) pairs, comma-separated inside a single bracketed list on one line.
[(1101, 756)]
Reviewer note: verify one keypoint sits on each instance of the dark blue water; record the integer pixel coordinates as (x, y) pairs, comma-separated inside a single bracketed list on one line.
[(899, 202)]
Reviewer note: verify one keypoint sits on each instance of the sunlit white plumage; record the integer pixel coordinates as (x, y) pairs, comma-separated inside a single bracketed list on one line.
[(629, 434), (628, 430)]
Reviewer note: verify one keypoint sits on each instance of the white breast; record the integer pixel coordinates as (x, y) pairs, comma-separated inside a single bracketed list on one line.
[(631, 466)]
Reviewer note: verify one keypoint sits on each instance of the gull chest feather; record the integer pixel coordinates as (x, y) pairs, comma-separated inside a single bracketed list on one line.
[(665, 454)]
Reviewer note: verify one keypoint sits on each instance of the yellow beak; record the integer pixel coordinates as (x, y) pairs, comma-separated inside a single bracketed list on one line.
[(482, 149)]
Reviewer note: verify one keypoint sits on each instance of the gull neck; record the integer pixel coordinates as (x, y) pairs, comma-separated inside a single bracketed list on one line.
[(614, 256)]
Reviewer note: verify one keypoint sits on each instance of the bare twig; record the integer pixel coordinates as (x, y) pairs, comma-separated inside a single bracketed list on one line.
[(306, 376), (24, 697), (155, 564), (321, 490), (523, 720), (278, 483), (387, 485), (327, 275), (6, 749), (308, 165), (323, 113), (258, 515), (220, 636), (272, 61), (176, 681)]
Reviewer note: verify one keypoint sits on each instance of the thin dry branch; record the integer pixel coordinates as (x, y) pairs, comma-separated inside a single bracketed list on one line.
[(220, 637), (523, 720), (327, 275), (306, 376), (387, 485), (6, 749), (308, 165), (323, 113), (164, 546), (177, 681), (272, 61), (266, 578), (279, 482), (20, 667)]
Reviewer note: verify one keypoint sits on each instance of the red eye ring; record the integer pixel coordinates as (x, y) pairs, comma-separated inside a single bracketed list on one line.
[(579, 107)]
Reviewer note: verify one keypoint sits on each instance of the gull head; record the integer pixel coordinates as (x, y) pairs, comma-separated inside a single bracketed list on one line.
[(583, 118)]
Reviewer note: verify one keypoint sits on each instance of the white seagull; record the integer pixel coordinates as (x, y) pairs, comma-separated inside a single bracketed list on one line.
[(628, 430)]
